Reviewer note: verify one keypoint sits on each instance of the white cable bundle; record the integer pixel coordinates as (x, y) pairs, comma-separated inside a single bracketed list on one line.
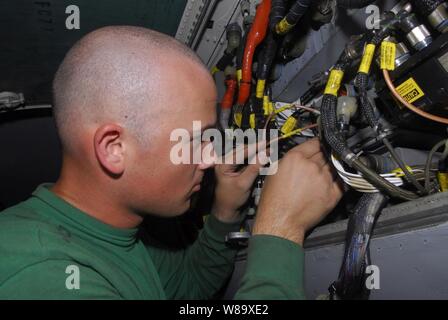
[(357, 182)]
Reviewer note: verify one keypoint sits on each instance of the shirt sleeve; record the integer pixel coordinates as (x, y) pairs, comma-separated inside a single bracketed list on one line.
[(274, 270), (57, 280), (202, 269)]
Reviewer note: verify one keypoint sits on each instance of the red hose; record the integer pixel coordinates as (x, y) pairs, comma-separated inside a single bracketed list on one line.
[(227, 100), (255, 37)]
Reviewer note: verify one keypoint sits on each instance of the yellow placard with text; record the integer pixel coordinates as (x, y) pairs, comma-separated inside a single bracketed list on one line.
[(410, 90)]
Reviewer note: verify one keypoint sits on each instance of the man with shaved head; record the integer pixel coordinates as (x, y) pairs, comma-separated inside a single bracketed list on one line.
[(118, 95)]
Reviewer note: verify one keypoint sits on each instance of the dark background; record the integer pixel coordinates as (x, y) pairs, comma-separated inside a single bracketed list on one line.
[(34, 40)]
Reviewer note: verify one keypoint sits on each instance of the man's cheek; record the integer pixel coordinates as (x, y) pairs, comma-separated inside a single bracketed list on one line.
[(176, 185)]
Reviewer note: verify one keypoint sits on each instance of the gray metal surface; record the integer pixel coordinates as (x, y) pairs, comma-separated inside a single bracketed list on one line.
[(213, 42), (412, 265), (194, 21), (410, 247), (412, 215)]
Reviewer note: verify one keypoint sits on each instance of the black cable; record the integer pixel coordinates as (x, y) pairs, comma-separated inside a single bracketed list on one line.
[(240, 50), (429, 161), (361, 83), (337, 142), (409, 176), (269, 51), (233, 31), (278, 9), (381, 183), (225, 61), (267, 56), (297, 10), (352, 276)]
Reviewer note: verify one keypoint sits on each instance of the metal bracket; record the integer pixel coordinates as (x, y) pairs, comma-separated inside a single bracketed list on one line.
[(194, 21)]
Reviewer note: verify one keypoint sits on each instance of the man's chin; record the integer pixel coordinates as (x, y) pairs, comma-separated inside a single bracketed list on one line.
[(182, 208), (172, 212)]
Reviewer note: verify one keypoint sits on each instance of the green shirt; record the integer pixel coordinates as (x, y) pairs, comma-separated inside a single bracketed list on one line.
[(51, 250)]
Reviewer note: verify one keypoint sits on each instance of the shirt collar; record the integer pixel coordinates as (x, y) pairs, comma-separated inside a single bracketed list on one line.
[(75, 218)]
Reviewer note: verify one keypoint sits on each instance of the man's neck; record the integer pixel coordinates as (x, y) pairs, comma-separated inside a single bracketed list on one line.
[(94, 200)]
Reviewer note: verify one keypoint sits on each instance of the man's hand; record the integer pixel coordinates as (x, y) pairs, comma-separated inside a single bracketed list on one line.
[(299, 195), (233, 187)]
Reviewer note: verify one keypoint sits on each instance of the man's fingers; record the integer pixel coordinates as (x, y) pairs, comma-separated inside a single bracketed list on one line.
[(320, 159), (257, 162), (257, 152), (255, 155), (247, 152), (338, 188), (328, 169), (250, 173), (308, 148)]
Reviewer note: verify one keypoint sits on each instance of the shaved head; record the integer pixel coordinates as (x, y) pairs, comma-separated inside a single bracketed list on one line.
[(119, 94), (116, 74)]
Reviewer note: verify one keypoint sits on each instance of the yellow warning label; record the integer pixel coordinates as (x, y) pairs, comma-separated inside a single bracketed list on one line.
[(367, 58), (271, 108), (261, 84), (283, 27), (252, 120), (238, 117), (266, 105), (410, 91), (289, 125), (442, 177), (399, 173), (388, 52), (334, 82), (239, 75)]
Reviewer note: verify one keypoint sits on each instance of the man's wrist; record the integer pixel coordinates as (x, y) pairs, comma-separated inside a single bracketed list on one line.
[(296, 235)]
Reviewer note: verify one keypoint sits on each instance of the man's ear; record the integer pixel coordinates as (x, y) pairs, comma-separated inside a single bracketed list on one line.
[(110, 149)]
